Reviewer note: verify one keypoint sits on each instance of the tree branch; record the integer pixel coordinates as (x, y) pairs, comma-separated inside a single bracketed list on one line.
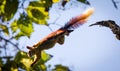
[(110, 24)]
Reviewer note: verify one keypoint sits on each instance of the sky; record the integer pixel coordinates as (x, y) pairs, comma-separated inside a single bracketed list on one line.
[(87, 48)]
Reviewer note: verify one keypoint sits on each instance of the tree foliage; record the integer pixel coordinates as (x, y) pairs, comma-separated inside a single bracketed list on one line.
[(16, 21)]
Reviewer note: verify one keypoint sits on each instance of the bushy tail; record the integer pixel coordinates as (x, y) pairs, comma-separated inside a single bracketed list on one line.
[(78, 20)]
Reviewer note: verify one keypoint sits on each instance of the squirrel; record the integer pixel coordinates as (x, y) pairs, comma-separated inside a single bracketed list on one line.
[(58, 35)]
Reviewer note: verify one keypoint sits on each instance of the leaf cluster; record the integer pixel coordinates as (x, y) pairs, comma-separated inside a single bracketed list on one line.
[(22, 62)]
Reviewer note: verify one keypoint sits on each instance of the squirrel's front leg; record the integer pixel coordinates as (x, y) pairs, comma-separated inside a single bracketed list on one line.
[(61, 40), (36, 58)]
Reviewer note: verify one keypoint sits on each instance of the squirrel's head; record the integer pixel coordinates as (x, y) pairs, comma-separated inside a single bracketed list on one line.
[(31, 51)]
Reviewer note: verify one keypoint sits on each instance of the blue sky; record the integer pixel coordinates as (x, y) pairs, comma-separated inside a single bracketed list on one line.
[(87, 48)]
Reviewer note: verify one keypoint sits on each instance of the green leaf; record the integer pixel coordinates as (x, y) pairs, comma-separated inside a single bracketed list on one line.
[(1, 63), (38, 11), (36, 4), (43, 3), (55, 1), (45, 57), (4, 29), (43, 67), (2, 6), (41, 63), (25, 25), (20, 34), (47, 4), (37, 14), (8, 9), (14, 26), (61, 68), (84, 1), (10, 66), (23, 61)]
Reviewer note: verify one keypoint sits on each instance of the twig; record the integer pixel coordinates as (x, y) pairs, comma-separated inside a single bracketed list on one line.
[(5, 48), (6, 57), (50, 28), (114, 3), (10, 42)]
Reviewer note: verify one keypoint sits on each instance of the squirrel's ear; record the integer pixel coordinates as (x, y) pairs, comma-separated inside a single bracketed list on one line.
[(28, 47)]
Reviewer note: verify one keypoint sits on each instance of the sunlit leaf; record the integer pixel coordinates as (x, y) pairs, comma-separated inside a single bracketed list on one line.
[(42, 3), (45, 57), (22, 60), (38, 11), (61, 68), (14, 26), (37, 14), (25, 25), (41, 63), (43, 67), (9, 9), (84, 1), (2, 5), (4, 28), (55, 1)]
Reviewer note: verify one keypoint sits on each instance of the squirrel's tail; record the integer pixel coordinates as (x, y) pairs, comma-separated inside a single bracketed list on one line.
[(78, 20)]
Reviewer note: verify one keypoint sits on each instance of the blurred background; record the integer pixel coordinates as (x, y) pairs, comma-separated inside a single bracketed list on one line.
[(25, 22)]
